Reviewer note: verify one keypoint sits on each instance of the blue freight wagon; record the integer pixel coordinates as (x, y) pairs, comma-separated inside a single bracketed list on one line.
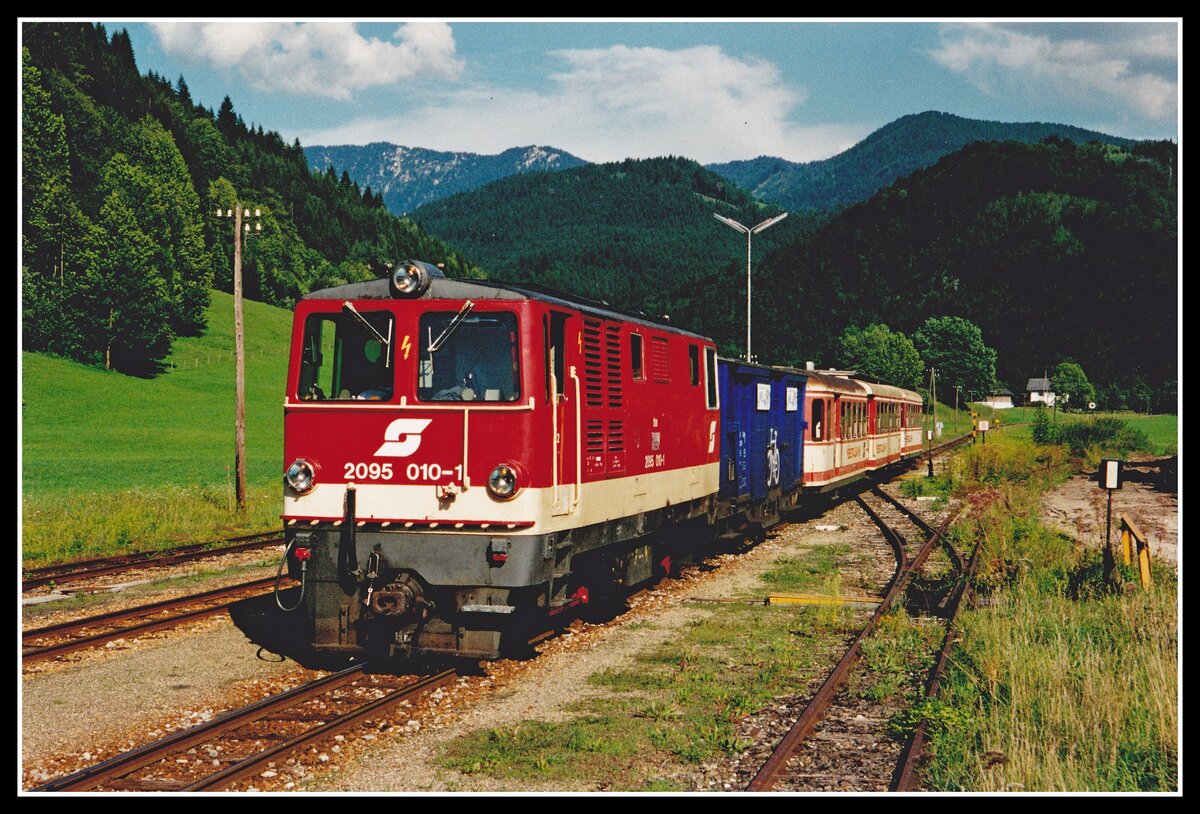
[(762, 441)]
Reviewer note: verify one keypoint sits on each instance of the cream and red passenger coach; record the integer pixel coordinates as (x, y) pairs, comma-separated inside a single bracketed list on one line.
[(855, 426)]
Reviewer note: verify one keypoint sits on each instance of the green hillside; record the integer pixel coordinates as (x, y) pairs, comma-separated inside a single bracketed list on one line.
[(894, 150), (639, 234), (1057, 251), (91, 430)]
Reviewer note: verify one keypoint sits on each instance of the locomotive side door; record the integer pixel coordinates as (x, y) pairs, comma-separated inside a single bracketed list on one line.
[(562, 401)]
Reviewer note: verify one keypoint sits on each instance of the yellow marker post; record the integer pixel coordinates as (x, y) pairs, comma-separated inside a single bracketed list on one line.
[(1144, 565), (1131, 534)]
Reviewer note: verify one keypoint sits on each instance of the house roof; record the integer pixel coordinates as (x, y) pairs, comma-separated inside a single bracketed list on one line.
[(1040, 385), (1003, 391)]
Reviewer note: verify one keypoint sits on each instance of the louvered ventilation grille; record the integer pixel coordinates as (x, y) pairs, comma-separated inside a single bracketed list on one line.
[(660, 365), (612, 355), (593, 374)]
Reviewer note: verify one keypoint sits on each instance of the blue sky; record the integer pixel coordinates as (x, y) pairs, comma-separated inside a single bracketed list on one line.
[(712, 91)]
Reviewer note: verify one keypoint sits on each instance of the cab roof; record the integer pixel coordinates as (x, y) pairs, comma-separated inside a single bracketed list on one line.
[(445, 288)]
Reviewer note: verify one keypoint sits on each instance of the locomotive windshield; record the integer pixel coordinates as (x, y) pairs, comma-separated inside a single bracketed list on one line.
[(468, 358), (347, 356)]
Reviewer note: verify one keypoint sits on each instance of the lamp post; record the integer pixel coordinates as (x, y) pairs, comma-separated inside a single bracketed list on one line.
[(748, 231), (238, 212)]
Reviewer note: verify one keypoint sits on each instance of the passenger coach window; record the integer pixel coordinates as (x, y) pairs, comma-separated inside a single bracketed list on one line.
[(468, 357), (818, 419), (347, 355)]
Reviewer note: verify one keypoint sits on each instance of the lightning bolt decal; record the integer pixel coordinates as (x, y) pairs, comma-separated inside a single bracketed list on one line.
[(406, 346)]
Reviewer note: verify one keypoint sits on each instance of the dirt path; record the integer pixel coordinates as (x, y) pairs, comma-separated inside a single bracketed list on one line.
[(1078, 508)]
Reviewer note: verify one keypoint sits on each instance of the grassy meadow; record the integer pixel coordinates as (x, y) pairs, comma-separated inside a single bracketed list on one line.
[(1060, 682), (111, 462), (1161, 430)]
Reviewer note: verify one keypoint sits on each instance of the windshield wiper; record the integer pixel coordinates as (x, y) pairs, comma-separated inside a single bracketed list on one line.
[(452, 327), (348, 306)]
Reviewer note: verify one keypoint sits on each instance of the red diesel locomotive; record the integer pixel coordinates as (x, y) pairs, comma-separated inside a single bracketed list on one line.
[(463, 458)]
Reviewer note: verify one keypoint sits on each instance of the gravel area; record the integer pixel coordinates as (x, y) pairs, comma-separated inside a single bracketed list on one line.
[(46, 605), (132, 693)]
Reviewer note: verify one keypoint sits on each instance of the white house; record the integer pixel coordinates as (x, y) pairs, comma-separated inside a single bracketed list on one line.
[(1002, 399), (1039, 390)]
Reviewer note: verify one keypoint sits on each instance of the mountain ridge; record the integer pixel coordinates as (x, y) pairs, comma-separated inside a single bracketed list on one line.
[(409, 177), (900, 147)]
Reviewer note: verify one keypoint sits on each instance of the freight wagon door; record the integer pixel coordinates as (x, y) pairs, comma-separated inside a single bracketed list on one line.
[(787, 427)]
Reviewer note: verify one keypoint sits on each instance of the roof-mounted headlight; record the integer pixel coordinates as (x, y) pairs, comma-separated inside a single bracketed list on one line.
[(411, 278)]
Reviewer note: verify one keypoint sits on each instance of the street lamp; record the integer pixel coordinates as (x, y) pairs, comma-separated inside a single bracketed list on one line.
[(748, 231), (240, 229)]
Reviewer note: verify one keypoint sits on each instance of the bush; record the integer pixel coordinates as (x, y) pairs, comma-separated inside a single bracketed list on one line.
[(1107, 434), (1098, 435), (1043, 431)]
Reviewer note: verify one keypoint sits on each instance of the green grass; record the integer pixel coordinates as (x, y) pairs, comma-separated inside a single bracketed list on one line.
[(89, 430), (809, 570), (1061, 683), (111, 462), (897, 657), (1162, 430), (95, 524)]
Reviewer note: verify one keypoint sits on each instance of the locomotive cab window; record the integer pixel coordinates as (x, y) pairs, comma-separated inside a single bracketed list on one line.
[(694, 364), (635, 358), (710, 378), (467, 356), (347, 356)]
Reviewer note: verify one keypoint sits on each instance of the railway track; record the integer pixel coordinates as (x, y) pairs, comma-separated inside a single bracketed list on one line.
[(828, 700), (905, 777), (79, 570), (276, 719), (79, 634), (243, 743)]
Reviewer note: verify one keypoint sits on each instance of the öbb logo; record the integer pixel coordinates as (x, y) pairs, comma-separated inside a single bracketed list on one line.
[(402, 437)]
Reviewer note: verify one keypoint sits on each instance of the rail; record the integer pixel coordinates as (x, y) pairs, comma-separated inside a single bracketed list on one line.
[(776, 764), (115, 772), (77, 570)]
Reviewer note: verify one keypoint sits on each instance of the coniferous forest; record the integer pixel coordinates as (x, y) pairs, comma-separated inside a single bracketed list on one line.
[(122, 177)]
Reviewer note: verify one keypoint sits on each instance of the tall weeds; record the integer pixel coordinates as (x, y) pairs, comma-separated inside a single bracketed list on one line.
[(1058, 683)]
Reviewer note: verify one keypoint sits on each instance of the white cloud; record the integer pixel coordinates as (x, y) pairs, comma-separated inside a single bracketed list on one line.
[(324, 59), (620, 102), (1132, 67)]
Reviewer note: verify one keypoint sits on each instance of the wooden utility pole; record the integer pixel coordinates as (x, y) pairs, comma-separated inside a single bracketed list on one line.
[(240, 228), (930, 429), (239, 355)]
